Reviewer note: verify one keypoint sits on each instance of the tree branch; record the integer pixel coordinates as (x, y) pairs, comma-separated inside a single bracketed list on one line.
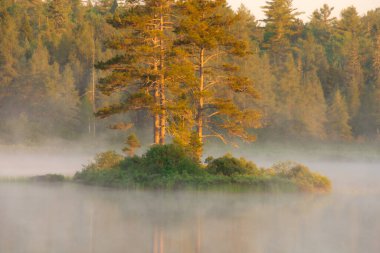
[(212, 56)]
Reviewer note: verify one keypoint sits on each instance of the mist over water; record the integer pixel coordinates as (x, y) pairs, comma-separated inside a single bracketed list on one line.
[(63, 158), (65, 217), (27, 165)]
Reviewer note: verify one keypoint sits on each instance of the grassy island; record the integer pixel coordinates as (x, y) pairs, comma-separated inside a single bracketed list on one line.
[(170, 167)]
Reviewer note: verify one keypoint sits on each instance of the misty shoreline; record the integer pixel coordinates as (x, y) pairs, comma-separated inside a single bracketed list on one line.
[(69, 157)]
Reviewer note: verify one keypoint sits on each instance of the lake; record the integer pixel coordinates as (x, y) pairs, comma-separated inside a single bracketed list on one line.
[(65, 217)]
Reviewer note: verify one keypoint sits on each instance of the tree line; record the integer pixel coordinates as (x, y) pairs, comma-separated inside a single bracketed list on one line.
[(187, 70)]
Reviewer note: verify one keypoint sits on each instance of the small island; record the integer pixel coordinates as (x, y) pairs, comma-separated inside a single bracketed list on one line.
[(170, 167)]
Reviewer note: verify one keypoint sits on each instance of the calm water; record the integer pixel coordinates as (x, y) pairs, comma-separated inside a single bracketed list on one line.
[(72, 218)]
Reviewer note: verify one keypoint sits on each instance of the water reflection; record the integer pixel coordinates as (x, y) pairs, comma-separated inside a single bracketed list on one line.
[(39, 218)]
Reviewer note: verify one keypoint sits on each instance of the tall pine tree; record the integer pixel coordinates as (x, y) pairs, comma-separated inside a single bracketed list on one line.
[(204, 33), (338, 119), (138, 69)]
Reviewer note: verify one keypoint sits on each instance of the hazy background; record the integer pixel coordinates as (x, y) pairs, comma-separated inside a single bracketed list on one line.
[(309, 6)]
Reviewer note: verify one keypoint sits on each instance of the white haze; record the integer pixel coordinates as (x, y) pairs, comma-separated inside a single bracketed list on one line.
[(46, 218), (52, 157), (22, 163), (307, 7)]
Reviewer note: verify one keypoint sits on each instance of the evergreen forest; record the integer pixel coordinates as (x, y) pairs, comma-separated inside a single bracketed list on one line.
[(187, 71)]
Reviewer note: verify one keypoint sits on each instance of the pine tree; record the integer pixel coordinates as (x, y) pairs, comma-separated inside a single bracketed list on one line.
[(264, 80), (162, 11), (46, 96), (354, 82), (203, 32), (322, 23), (59, 13), (288, 93), (141, 71), (132, 144), (368, 119), (375, 112), (10, 53), (281, 24), (246, 27), (67, 101), (312, 105), (323, 16), (338, 119), (256, 67), (350, 22), (179, 103), (51, 98), (10, 50)]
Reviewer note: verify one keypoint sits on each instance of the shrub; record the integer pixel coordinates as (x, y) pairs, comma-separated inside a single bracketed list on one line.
[(103, 161), (228, 166), (305, 179), (168, 159), (133, 143), (131, 163), (114, 177), (107, 160), (171, 167), (282, 168)]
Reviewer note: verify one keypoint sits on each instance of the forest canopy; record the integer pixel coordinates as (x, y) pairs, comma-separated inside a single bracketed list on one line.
[(188, 71)]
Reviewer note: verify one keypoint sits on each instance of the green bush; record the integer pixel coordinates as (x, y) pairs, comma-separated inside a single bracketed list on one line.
[(170, 167), (168, 159), (162, 166), (102, 169), (305, 179), (114, 177), (107, 160), (131, 163), (228, 166)]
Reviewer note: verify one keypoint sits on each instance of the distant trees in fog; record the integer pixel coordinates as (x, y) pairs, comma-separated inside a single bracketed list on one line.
[(317, 80)]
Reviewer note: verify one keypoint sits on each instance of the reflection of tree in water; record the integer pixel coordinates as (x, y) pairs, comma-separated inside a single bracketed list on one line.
[(206, 222), (71, 218)]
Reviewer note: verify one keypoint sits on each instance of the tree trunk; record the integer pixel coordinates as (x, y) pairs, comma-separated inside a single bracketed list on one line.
[(156, 116), (200, 103), (163, 112), (162, 80), (93, 91)]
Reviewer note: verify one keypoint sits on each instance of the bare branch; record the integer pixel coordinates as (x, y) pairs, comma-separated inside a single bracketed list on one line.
[(215, 134), (212, 56), (213, 114), (210, 84), (219, 136)]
